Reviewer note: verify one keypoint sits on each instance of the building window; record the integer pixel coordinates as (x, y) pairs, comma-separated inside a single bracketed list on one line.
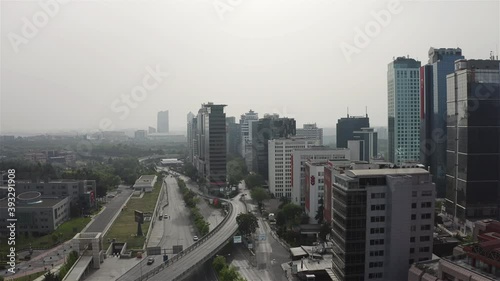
[(413, 217), (426, 216), (426, 204), (375, 275), (378, 219), (413, 205), (425, 238), (424, 249), (412, 250), (380, 207), (378, 195), (376, 253), (425, 227), (376, 242), (377, 230), (376, 264), (427, 193), (412, 239)]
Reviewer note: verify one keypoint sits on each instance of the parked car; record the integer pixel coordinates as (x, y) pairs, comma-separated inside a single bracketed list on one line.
[(165, 216), (195, 238), (151, 260)]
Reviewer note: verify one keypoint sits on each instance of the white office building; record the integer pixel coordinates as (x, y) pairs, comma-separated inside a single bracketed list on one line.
[(280, 164), (311, 131), (299, 158), (403, 91), (314, 188)]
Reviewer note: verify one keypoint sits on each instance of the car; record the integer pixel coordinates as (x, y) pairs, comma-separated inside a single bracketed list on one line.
[(151, 260), (195, 238), (165, 216)]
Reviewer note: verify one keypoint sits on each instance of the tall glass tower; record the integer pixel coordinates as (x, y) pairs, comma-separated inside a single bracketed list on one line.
[(403, 80)]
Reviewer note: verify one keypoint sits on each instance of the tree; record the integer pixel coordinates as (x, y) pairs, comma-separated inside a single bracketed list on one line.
[(319, 212), (219, 263), (324, 230), (247, 223), (259, 194), (292, 213), (254, 180), (229, 273), (49, 276)]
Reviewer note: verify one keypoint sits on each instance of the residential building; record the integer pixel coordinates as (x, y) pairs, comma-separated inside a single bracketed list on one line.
[(433, 110), (403, 80), (346, 126), (246, 121), (280, 163), (233, 136), (473, 149), (299, 158), (363, 145), (383, 221), (151, 130), (162, 123), (36, 157), (311, 131), (268, 128), (211, 145), (36, 214), (141, 134)]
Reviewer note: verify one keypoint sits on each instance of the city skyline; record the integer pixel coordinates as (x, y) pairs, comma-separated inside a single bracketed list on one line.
[(273, 63)]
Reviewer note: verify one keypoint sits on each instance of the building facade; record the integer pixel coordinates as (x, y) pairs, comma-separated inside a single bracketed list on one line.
[(300, 157), (140, 134), (382, 222), (280, 163), (314, 189), (346, 126), (246, 121), (268, 128), (233, 137), (162, 124), (364, 145), (211, 145), (473, 149), (190, 136), (310, 131), (433, 112), (403, 92)]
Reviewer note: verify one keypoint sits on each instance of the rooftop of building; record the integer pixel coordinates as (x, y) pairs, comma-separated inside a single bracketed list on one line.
[(385, 172), (39, 203)]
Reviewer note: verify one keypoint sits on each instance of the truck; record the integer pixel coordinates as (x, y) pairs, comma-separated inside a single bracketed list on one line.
[(271, 218)]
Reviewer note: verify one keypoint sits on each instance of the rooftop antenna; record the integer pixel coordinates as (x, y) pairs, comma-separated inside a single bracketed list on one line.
[(347, 112), (366, 111)]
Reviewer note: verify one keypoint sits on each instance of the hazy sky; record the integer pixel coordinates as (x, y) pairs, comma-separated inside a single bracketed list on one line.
[(68, 69)]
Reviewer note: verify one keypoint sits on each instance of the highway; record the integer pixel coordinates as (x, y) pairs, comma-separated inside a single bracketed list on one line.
[(177, 231)]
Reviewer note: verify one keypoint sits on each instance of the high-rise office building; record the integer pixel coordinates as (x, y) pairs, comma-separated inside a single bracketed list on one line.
[(363, 145), (433, 112), (403, 80), (280, 163), (233, 138), (473, 150), (265, 129), (162, 126), (347, 126), (211, 145), (191, 130), (311, 131), (383, 221), (246, 121)]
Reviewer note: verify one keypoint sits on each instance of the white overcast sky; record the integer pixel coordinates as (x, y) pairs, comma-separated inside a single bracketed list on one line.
[(279, 56)]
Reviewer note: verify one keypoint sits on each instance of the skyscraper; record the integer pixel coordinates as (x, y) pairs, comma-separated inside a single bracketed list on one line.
[(233, 137), (265, 129), (433, 112), (162, 126), (191, 130), (347, 126), (363, 145), (473, 150), (246, 121), (211, 145), (403, 80)]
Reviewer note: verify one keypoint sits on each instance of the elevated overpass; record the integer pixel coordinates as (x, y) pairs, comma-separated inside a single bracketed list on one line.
[(182, 264)]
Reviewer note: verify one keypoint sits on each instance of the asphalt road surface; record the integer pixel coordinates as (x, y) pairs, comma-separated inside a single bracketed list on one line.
[(177, 231), (101, 221)]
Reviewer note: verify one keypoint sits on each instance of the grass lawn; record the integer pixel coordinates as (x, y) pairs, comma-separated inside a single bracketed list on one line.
[(30, 277), (124, 229), (66, 231)]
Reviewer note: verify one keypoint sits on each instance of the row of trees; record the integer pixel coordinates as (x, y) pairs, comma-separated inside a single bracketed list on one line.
[(191, 200), (72, 258), (224, 271)]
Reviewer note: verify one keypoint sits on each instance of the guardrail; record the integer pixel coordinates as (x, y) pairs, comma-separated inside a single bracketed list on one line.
[(182, 253), (189, 249)]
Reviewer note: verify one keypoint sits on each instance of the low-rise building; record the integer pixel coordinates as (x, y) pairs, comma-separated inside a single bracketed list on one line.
[(145, 183), (36, 215)]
